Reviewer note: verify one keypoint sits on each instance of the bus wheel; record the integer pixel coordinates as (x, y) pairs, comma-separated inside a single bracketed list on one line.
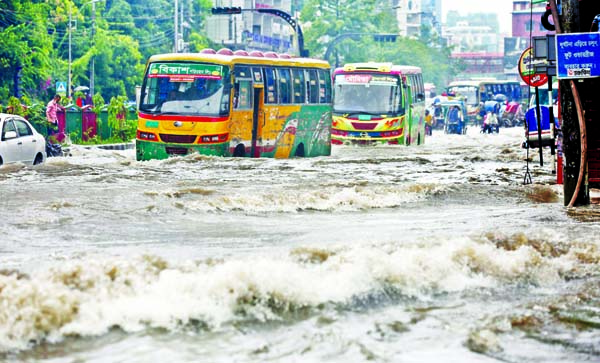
[(299, 151), (240, 151)]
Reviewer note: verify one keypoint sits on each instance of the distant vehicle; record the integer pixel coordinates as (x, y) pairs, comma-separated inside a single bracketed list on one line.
[(456, 124), (430, 90), (441, 110), (378, 102), (20, 142), (477, 92), (531, 125)]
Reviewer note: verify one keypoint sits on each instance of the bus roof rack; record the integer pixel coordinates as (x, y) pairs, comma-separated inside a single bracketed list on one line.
[(256, 53), (271, 55), (241, 52), (208, 51)]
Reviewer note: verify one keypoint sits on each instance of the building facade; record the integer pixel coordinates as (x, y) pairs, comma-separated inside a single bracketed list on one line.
[(526, 24), (526, 21), (413, 14)]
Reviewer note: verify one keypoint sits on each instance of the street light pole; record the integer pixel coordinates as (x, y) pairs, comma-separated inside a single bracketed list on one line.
[(176, 27), (70, 31), (92, 65)]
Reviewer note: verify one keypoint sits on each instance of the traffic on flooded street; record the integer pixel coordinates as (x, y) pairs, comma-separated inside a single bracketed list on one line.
[(373, 253), (415, 181)]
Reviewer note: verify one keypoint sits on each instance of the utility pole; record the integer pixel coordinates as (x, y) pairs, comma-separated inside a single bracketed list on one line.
[(92, 66), (580, 113), (180, 38), (70, 59), (570, 123), (176, 40)]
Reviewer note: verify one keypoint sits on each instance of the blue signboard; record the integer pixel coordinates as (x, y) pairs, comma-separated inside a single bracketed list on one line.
[(61, 88), (578, 55)]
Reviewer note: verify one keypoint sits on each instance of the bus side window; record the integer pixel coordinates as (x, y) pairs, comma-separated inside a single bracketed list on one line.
[(270, 85), (243, 94), (324, 87), (285, 85), (312, 82), (299, 86), (421, 87)]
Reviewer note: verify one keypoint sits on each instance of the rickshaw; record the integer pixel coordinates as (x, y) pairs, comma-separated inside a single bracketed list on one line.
[(455, 113)]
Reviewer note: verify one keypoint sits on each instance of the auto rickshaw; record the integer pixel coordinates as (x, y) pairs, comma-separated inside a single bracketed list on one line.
[(455, 113)]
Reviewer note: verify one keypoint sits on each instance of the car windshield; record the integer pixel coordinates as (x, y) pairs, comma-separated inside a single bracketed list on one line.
[(367, 93), (186, 89)]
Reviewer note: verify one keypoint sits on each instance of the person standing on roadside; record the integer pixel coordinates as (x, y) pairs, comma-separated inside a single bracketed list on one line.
[(51, 110)]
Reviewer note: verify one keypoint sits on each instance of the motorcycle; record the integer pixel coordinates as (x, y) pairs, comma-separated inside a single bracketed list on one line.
[(53, 149)]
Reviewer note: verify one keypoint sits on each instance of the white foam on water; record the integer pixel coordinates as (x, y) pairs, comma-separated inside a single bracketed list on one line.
[(90, 295), (319, 198)]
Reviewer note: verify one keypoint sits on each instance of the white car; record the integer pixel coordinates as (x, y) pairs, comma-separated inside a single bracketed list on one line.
[(20, 142)]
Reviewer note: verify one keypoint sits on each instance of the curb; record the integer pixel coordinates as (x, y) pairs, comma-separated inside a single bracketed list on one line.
[(123, 146)]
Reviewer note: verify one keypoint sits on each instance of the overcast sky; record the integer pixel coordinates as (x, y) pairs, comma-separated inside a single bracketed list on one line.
[(502, 7)]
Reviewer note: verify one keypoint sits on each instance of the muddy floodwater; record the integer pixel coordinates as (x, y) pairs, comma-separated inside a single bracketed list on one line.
[(436, 253)]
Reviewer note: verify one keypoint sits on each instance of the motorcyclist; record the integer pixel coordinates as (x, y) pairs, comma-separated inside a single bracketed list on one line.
[(490, 123)]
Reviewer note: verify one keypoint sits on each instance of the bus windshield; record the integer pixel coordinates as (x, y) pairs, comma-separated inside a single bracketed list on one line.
[(470, 92), (193, 89), (368, 93)]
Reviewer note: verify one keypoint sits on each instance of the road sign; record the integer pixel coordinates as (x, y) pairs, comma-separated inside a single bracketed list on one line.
[(61, 88), (527, 70), (578, 55)]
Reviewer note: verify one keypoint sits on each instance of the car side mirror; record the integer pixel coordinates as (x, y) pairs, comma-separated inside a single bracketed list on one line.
[(10, 135)]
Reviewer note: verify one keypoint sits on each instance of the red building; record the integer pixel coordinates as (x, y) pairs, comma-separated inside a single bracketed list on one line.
[(523, 23)]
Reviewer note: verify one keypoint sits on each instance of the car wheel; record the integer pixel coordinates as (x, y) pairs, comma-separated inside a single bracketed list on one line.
[(1, 161), (38, 159)]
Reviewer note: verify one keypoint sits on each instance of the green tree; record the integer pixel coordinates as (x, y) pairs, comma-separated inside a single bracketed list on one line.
[(25, 42), (119, 63), (327, 19), (324, 20)]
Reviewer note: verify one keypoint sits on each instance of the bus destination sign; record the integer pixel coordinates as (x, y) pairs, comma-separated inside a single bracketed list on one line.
[(185, 72)]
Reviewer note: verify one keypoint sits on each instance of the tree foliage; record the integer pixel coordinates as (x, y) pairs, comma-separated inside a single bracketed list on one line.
[(118, 36), (35, 36), (327, 20)]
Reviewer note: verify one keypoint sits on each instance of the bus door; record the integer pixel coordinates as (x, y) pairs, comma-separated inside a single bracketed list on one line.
[(258, 120)]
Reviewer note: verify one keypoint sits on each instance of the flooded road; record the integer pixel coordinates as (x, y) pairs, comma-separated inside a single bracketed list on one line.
[(386, 253)]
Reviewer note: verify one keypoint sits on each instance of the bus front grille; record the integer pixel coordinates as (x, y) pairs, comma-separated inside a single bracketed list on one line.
[(178, 139), (364, 125)]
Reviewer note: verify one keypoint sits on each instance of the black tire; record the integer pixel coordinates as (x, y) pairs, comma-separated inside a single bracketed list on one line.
[(299, 151), (38, 159), (1, 161), (240, 151)]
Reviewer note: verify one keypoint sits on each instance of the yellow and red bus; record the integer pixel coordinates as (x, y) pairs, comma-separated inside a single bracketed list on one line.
[(234, 104), (378, 102)]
